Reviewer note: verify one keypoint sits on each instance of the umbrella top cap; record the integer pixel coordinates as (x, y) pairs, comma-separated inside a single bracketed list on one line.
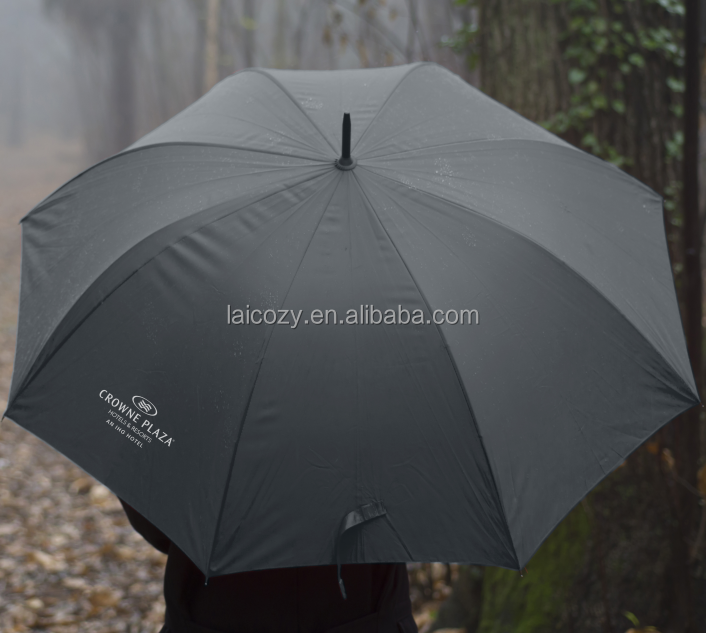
[(345, 162)]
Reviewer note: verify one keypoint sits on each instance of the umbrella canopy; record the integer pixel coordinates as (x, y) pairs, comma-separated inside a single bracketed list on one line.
[(144, 354)]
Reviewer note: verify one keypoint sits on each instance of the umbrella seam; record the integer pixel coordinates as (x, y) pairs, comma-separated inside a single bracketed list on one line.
[(522, 236), (277, 83), (590, 158), (231, 117), (354, 334), (254, 384), (38, 207), (458, 376), (427, 147)]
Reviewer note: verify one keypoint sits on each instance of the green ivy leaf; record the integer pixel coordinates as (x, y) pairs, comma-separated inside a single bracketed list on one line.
[(618, 106), (632, 617), (675, 145), (676, 85), (599, 102), (676, 7), (585, 112), (677, 110), (600, 44), (599, 25), (637, 60), (576, 76)]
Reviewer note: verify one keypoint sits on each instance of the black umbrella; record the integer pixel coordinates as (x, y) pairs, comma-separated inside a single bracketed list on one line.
[(169, 341)]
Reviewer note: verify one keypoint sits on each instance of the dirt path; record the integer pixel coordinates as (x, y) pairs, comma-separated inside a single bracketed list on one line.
[(69, 560)]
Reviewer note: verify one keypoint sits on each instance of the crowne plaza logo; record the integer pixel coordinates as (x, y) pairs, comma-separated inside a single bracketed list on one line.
[(144, 405), (131, 417)]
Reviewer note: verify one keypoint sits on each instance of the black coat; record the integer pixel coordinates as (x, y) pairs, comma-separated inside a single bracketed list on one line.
[(297, 599)]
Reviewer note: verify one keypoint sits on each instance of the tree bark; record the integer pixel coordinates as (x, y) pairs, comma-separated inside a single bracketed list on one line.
[(122, 87), (686, 428), (211, 52), (521, 62), (249, 32)]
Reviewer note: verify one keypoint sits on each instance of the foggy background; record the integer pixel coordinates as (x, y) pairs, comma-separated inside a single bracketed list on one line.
[(105, 72)]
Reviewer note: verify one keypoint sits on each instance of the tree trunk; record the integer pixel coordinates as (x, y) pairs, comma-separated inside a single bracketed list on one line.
[(15, 133), (521, 61), (686, 427), (279, 45), (249, 32), (528, 51), (122, 89), (211, 52)]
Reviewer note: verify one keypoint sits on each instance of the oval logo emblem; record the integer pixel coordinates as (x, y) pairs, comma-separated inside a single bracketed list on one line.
[(144, 405)]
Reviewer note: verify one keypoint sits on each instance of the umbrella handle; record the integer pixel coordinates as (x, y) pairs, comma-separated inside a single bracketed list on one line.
[(362, 514)]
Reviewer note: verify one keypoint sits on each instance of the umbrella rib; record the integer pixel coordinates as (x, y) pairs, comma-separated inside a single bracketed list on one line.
[(38, 207), (262, 354), (574, 152), (456, 371), (295, 102), (675, 371), (453, 144), (432, 147)]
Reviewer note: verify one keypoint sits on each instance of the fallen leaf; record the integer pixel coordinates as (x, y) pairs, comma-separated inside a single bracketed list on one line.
[(105, 597), (49, 562), (81, 486), (123, 552), (8, 528), (652, 447), (99, 494), (75, 583)]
